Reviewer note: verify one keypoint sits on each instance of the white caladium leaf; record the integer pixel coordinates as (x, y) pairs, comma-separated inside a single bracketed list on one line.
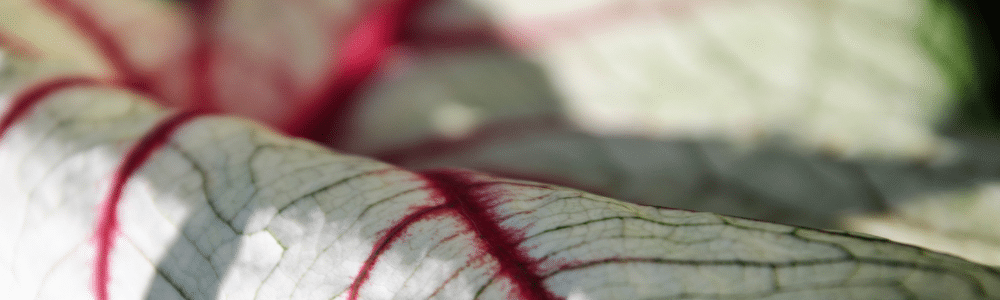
[(946, 206), (113, 198), (493, 111), (227, 209), (197, 53), (950, 209), (859, 78)]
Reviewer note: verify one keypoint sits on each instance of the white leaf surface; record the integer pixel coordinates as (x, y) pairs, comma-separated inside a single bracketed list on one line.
[(230, 210), (858, 78), (267, 58), (943, 202), (929, 193)]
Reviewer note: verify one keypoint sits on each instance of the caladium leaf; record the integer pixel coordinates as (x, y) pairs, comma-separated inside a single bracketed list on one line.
[(852, 77), (229, 209), (449, 109), (198, 53), (473, 109), (226, 209), (946, 206)]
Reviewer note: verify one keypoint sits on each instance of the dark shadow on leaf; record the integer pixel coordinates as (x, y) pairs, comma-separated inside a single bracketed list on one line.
[(771, 182), (209, 240)]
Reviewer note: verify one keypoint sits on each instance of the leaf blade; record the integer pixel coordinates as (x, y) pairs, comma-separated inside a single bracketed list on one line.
[(272, 216)]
